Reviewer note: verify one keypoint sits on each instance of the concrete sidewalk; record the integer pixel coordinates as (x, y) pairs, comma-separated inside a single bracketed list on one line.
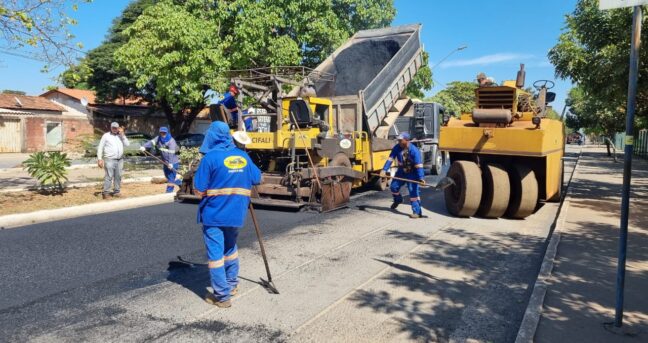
[(580, 296), (19, 179)]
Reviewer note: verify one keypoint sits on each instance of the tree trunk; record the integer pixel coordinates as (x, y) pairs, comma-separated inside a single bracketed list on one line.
[(607, 145), (180, 121), (187, 119)]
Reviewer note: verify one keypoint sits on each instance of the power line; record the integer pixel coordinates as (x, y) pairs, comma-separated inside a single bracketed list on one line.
[(6, 52)]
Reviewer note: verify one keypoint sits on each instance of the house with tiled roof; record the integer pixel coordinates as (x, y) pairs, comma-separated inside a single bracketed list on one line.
[(134, 113), (33, 123)]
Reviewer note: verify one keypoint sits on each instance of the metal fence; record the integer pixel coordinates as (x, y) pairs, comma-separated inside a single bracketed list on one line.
[(640, 143)]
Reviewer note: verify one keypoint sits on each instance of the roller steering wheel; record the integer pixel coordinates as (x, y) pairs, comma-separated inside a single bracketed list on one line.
[(543, 83)]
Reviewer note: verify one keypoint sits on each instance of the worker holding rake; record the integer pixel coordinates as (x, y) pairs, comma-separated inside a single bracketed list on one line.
[(168, 149), (224, 181)]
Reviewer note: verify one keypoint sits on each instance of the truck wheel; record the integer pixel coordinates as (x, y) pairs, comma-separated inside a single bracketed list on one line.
[(463, 198), (496, 192), (437, 163), (340, 160), (524, 192), (378, 183)]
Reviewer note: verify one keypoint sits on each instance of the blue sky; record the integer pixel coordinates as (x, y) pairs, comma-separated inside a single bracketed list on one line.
[(499, 34)]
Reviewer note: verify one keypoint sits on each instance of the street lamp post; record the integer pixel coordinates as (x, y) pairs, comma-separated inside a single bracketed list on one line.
[(448, 55)]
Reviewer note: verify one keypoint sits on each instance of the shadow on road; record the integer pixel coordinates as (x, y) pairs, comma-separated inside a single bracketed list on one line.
[(473, 286)]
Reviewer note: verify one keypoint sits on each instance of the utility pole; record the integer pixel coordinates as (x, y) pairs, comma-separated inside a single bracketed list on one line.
[(627, 163)]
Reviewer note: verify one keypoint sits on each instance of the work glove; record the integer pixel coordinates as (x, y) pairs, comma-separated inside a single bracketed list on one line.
[(383, 173), (422, 181), (170, 166), (142, 149)]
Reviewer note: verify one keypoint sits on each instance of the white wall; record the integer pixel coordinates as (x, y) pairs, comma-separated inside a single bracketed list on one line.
[(72, 106)]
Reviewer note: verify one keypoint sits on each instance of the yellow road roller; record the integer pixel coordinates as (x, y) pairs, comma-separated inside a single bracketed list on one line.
[(506, 155)]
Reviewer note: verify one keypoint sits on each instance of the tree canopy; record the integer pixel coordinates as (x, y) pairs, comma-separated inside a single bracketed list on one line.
[(40, 28), (168, 50), (99, 70), (458, 97), (593, 51), (176, 47)]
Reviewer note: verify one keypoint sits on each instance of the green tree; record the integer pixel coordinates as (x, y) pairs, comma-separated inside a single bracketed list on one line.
[(171, 49), (11, 91), (593, 51), (41, 28), (457, 97), (175, 47), (422, 81), (99, 70)]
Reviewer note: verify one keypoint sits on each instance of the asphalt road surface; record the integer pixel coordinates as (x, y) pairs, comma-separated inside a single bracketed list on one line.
[(108, 277), (45, 259)]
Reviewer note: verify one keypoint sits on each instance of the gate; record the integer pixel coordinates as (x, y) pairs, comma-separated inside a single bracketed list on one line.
[(10, 135)]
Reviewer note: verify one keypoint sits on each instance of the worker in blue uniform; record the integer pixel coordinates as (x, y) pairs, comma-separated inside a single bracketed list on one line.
[(228, 102), (168, 148), (224, 180), (410, 166)]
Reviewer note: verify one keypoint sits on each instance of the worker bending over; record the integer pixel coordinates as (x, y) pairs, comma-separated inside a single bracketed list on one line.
[(223, 180), (168, 149), (410, 166)]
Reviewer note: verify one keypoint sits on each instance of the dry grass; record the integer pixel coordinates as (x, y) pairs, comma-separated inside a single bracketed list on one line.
[(29, 201)]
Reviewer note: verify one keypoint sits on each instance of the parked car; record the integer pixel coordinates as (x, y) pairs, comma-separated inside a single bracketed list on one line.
[(190, 140), (136, 140)]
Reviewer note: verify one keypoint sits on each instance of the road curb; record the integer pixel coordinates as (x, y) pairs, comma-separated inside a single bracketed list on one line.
[(12, 221), (78, 184), (527, 331)]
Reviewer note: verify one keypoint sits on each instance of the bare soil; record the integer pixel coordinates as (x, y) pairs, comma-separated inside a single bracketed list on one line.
[(29, 201)]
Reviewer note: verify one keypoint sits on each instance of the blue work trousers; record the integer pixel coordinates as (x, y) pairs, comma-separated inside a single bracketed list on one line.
[(222, 254), (171, 177), (413, 190)]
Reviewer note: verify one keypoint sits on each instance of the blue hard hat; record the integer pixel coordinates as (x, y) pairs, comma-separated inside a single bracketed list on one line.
[(405, 136), (164, 129)]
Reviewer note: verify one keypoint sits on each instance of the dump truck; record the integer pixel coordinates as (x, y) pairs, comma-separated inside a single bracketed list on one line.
[(506, 155), (329, 126)]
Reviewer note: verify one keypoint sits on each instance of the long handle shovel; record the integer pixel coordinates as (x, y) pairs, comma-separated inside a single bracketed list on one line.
[(444, 183), (267, 284), (166, 164)]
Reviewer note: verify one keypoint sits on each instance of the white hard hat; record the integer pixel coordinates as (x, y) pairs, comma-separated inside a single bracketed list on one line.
[(242, 137)]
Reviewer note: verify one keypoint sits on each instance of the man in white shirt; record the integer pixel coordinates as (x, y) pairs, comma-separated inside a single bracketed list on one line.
[(110, 156)]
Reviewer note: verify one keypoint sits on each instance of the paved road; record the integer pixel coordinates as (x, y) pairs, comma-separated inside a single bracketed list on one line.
[(108, 276), (11, 160), (45, 259)]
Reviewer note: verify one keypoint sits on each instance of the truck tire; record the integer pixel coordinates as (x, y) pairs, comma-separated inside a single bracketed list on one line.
[(496, 192), (463, 198), (437, 161), (340, 160), (524, 192), (378, 183)]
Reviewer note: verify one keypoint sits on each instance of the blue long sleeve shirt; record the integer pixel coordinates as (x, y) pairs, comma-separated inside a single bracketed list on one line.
[(226, 177), (168, 151), (410, 162), (230, 103)]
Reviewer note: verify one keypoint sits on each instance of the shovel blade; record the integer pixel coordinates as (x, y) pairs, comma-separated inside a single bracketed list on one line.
[(444, 183)]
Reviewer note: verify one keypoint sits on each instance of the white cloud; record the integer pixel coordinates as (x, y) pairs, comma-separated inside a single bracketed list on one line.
[(487, 60)]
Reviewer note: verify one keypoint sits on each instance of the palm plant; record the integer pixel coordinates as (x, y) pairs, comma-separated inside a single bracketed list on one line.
[(48, 168)]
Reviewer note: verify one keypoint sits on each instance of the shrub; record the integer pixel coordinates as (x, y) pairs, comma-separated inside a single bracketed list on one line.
[(48, 168), (189, 159)]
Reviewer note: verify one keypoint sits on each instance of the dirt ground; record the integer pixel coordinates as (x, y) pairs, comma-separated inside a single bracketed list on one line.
[(28, 201)]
